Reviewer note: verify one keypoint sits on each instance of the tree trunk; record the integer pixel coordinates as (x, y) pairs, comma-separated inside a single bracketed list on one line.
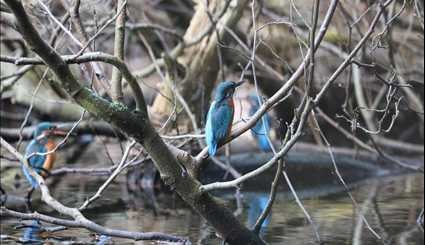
[(201, 59), (136, 124)]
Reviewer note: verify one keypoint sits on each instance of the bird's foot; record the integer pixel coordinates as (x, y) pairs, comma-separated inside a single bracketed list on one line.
[(44, 172)]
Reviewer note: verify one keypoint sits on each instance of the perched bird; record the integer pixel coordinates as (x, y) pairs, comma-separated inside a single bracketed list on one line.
[(220, 116), (261, 130), (35, 152)]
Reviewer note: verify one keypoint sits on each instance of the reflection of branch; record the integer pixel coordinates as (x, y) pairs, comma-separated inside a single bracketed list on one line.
[(137, 236), (79, 219), (347, 189), (357, 236), (300, 204), (272, 197), (379, 217), (135, 124), (111, 178)]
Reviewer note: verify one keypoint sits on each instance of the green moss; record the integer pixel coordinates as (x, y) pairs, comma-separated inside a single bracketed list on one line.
[(118, 106), (335, 37)]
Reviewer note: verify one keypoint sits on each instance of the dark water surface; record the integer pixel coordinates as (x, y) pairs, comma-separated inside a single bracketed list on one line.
[(391, 205)]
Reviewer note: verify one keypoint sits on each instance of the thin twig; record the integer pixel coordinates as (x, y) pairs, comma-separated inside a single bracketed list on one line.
[(79, 220), (116, 172), (116, 80)]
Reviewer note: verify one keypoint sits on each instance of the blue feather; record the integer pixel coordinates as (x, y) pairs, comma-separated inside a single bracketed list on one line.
[(36, 161), (262, 128), (220, 117)]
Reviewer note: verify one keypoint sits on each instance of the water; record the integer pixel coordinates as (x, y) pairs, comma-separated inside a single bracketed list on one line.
[(391, 205)]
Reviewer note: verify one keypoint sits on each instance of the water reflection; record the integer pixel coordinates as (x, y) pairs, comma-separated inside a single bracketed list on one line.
[(31, 234), (257, 204), (391, 205), (103, 240)]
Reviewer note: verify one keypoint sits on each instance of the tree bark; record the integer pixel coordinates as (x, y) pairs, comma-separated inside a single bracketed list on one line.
[(200, 57), (136, 124)]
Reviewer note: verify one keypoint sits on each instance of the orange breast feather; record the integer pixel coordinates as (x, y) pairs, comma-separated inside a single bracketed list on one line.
[(50, 158)]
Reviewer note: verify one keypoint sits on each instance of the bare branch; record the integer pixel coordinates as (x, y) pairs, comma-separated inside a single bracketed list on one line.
[(119, 50), (79, 220)]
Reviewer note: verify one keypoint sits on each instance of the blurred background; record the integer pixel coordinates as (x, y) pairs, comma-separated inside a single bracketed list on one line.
[(371, 117)]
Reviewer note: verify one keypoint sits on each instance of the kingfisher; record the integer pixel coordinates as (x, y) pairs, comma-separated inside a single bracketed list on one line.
[(36, 150), (261, 130), (220, 116)]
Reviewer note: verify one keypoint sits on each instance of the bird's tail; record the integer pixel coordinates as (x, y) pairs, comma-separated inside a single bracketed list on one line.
[(212, 149), (28, 176), (263, 143)]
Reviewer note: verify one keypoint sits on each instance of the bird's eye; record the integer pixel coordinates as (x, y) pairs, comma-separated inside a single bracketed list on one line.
[(231, 92)]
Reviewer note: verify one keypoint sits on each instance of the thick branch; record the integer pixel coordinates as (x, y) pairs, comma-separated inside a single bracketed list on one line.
[(307, 109), (137, 125), (89, 57), (79, 219), (279, 95)]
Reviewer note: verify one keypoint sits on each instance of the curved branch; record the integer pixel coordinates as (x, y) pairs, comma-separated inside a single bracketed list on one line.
[(277, 97), (79, 219), (137, 125), (85, 58), (137, 236), (307, 109)]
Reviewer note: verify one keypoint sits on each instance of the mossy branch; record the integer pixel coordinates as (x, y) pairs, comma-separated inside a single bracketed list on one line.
[(136, 125)]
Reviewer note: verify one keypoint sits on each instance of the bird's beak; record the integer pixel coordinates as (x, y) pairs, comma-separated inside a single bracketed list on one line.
[(239, 84)]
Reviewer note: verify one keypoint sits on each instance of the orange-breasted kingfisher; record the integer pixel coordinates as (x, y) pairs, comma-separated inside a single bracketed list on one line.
[(220, 116), (261, 130), (36, 150)]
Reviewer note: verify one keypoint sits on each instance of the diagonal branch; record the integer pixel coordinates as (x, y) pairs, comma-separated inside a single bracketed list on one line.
[(277, 97), (309, 106), (111, 178), (136, 125), (78, 217)]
